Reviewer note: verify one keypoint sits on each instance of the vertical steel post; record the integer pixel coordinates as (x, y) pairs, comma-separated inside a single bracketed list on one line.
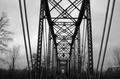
[(89, 38), (39, 46)]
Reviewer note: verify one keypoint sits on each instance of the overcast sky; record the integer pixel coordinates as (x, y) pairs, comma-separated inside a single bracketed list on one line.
[(98, 9)]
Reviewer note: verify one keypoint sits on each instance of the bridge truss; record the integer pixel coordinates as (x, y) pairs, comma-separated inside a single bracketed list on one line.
[(64, 48), (60, 38)]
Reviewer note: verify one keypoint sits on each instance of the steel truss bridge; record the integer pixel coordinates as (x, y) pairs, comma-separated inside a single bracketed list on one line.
[(65, 47)]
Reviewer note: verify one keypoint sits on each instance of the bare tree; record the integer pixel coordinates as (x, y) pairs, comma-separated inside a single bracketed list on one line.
[(116, 56), (5, 36), (4, 33), (13, 56)]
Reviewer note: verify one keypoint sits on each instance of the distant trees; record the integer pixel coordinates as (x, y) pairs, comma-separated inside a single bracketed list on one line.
[(114, 68), (13, 56), (116, 56), (5, 36)]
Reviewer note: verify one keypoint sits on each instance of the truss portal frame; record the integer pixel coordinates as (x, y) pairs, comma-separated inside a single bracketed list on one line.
[(64, 25)]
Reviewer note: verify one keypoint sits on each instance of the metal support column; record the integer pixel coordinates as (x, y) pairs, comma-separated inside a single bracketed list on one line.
[(39, 46), (89, 38)]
